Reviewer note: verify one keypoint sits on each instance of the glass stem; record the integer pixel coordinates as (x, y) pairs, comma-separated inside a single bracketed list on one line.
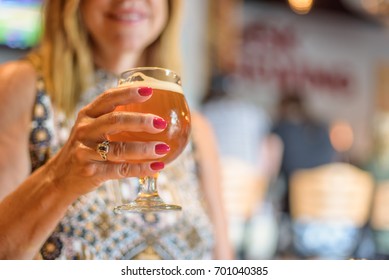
[(148, 189)]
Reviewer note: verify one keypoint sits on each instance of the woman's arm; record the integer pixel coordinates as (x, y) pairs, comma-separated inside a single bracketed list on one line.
[(211, 182), (30, 213), (17, 94)]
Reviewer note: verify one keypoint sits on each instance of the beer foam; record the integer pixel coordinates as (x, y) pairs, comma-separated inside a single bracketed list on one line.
[(146, 81)]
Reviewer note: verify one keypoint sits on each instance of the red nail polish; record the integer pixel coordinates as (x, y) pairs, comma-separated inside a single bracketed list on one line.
[(159, 123), (157, 165), (145, 91), (161, 149)]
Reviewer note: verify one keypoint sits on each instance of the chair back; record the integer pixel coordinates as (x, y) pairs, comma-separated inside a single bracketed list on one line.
[(330, 205), (333, 192), (243, 187)]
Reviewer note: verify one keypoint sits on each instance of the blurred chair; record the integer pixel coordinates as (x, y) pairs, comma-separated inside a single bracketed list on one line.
[(330, 205), (243, 190), (380, 220), (253, 227)]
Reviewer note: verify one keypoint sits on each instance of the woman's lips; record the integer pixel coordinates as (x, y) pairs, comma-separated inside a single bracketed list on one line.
[(128, 17)]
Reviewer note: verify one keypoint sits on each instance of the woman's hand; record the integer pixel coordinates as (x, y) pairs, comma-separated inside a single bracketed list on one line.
[(79, 168)]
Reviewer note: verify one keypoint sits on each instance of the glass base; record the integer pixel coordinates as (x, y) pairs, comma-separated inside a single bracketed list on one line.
[(146, 206), (147, 200)]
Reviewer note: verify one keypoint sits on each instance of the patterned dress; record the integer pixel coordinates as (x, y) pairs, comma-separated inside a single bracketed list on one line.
[(90, 228)]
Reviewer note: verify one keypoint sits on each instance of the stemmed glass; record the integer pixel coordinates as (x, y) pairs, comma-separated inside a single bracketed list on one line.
[(168, 102)]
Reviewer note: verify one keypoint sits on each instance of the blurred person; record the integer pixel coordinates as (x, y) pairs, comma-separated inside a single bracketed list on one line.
[(306, 144), (306, 140), (250, 159), (57, 193)]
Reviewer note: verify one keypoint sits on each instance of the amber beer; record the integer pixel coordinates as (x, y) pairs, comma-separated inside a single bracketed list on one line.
[(167, 102)]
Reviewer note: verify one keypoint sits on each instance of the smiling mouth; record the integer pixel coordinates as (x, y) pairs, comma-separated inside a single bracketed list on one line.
[(128, 17)]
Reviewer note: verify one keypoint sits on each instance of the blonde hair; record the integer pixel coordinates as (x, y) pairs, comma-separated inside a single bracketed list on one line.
[(64, 56)]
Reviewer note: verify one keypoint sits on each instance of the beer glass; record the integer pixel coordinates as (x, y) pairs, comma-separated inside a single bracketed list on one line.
[(168, 102)]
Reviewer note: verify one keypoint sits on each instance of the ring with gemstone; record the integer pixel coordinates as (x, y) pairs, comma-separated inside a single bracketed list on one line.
[(103, 149)]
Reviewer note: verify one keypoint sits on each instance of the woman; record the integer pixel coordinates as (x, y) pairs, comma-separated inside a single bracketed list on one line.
[(60, 210)]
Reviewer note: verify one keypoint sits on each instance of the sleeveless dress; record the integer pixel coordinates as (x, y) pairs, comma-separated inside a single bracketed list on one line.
[(90, 228)]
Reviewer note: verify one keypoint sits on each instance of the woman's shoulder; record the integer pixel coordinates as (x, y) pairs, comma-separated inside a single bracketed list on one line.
[(17, 87), (18, 73)]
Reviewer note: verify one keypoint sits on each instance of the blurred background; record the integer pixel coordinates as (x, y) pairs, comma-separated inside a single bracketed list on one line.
[(298, 94)]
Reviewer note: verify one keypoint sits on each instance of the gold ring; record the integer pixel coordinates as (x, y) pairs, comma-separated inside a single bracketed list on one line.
[(103, 149)]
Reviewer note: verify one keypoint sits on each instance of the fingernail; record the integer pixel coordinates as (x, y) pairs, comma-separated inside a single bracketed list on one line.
[(145, 91), (159, 123), (161, 149), (157, 165)]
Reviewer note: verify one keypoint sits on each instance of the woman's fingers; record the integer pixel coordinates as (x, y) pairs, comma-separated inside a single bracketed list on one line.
[(125, 152), (99, 120), (115, 122), (79, 165), (107, 101), (95, 157), (125, 169)]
